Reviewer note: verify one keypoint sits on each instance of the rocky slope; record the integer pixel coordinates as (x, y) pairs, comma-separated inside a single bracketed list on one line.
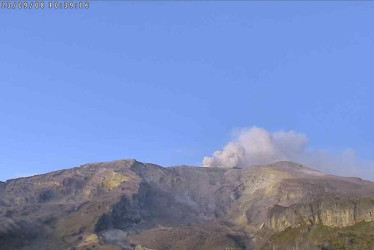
[(131, 205), (334, 212)]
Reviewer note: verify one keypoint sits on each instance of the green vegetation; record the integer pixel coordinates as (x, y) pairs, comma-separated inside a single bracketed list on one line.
[(357, 237)]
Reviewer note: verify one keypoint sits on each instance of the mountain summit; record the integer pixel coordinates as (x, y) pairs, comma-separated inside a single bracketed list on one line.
[(127, 204)]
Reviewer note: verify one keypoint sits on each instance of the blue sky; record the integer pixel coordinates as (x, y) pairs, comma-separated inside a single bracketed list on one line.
[(167, 82)]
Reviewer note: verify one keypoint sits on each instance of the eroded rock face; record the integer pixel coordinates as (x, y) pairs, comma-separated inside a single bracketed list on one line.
[(333, 212), (127, 204)]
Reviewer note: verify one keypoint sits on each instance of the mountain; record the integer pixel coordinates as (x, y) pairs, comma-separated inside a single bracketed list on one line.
[(127, 204)]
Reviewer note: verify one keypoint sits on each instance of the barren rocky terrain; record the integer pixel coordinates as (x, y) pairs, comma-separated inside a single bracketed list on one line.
[(132, 205)]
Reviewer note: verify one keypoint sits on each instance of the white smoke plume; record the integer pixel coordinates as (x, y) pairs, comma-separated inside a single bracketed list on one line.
[(257, 146)]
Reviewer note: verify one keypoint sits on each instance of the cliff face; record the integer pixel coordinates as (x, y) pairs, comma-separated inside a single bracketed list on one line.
[(127, 204), (333, 212)]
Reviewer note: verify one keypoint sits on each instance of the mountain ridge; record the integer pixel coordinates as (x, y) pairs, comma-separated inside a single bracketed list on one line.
[(127, 204)]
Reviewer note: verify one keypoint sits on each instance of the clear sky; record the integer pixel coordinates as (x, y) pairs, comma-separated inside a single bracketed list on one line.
[(167, 82)]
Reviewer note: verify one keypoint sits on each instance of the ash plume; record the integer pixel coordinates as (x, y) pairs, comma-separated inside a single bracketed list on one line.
[(258, 146)]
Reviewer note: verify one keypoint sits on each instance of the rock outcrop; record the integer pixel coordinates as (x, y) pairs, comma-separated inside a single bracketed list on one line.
[(333, 212)]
